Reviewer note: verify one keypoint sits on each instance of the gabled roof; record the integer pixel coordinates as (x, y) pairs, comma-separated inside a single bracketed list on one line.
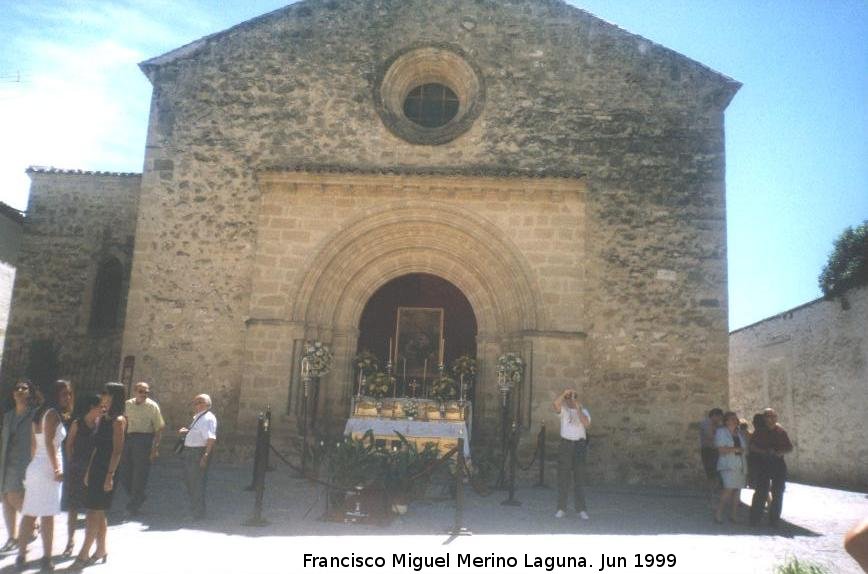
[(305, 6)]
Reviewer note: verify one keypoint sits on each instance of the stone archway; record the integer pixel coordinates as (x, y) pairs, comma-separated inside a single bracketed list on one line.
[(416, 237)]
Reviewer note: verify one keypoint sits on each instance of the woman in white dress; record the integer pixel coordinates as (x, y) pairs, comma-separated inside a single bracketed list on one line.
[(732, 445), (43, 481)]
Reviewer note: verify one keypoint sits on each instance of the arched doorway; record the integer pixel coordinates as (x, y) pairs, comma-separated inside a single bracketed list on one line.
[(426, 293)]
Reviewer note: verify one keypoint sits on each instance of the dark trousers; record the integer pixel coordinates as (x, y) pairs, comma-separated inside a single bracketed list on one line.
[(135, 467), (571, 468), (770, 476), (196, 478)]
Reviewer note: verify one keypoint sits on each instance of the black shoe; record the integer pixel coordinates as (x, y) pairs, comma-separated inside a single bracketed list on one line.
[(46, 564), (10, 545), (20, 563)]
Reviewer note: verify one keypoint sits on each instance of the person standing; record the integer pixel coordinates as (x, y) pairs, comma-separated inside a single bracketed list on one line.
[(43, 481), (78, 448), (732, 466), (708, 452), (572, 450), (142, 446), (108, 446), (772, 442), (199, 441), (15, 456)]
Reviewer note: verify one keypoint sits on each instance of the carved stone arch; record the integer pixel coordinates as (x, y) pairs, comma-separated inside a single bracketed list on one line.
[(408, 237)]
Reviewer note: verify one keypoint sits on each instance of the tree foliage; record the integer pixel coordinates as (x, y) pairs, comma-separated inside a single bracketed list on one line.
[(847, 266)]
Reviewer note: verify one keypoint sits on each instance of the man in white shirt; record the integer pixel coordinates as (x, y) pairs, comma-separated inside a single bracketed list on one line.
[(573, 447), (199, 442)]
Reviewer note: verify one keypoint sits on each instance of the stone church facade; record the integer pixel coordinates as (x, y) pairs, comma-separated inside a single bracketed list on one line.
[(571, 188)]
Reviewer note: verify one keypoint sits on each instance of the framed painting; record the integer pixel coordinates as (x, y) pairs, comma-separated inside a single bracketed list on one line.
[(419, 334)]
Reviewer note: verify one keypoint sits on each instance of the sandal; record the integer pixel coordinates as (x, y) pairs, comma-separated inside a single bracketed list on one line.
[(10, 545)]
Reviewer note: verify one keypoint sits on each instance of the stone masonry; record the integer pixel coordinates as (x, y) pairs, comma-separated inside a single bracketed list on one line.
[(75, 221), (811, 365), (582, 213)]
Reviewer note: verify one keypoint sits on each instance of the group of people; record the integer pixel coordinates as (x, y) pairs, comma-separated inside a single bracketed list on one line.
[(51, 461), (734, 457)]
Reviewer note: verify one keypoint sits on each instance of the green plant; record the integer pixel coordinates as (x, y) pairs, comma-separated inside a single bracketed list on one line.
[(464, 365), (366, 362), (379, 385), (355, 462), (405, 469), (847, 265), (794, 566), (512, 367), (444, 388)]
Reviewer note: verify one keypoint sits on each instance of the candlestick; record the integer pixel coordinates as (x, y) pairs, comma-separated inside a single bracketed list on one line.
[(424, 377)]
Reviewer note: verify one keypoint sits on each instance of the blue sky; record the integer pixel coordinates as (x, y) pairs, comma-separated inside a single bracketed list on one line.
[(72, 96)]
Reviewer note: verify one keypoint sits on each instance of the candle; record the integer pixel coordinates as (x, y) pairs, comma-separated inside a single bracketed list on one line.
[(461, 387), (424, 376), (389, 356), (442, 349), (305, 367), (361, 376), (404, 376)]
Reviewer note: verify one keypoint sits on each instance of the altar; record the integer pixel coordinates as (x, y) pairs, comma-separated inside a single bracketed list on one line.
[(441, 427)]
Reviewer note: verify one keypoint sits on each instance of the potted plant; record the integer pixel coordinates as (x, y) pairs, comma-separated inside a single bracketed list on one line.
[(405, 476)]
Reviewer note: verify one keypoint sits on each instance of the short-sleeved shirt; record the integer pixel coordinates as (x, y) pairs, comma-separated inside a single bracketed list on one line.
[(201, 429), (144, 418), (571, 425)]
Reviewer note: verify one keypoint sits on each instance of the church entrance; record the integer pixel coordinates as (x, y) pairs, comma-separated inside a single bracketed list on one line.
[(424, 319)]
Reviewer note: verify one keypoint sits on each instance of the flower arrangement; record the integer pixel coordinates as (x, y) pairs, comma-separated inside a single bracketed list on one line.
[(464, 365), (378, 385), (411, 409), (512, 366), (319, 358), (444, 388), (366, 363)]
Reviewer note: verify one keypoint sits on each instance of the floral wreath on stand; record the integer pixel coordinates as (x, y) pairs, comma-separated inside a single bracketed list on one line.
[(512, 366), (319, 358)]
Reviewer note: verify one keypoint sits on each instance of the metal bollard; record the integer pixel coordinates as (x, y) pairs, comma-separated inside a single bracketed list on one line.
[(259, 467), (513, 446), (257, 452), (458, 528), (268, 465), (541, 442)]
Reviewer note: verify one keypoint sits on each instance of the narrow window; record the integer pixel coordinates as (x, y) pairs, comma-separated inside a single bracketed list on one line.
[(106, 296)]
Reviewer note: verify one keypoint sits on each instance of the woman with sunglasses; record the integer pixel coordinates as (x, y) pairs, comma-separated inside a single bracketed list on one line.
[(99, 479), (43, 481), (15, 456)]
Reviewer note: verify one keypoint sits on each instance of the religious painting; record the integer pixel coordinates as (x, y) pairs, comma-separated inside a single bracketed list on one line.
[(419, 334)]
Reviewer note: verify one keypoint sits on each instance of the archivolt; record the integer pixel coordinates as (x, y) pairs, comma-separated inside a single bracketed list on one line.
[(417, 237)]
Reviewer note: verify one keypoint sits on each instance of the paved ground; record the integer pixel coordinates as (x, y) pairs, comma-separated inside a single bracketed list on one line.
[(624, 521)]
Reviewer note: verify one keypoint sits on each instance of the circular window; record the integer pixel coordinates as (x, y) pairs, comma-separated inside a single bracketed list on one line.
[(431, 105), (429, 95)]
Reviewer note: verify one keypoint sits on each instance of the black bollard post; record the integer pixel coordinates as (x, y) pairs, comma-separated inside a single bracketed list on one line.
[(541, 450), (267, 440), (458, 528), (259, 465), (257, 452), (513, 446)]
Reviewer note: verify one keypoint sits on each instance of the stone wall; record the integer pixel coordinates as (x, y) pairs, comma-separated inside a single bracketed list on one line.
[(75, 221), (11, 223), (634, 313), (811, 365)]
